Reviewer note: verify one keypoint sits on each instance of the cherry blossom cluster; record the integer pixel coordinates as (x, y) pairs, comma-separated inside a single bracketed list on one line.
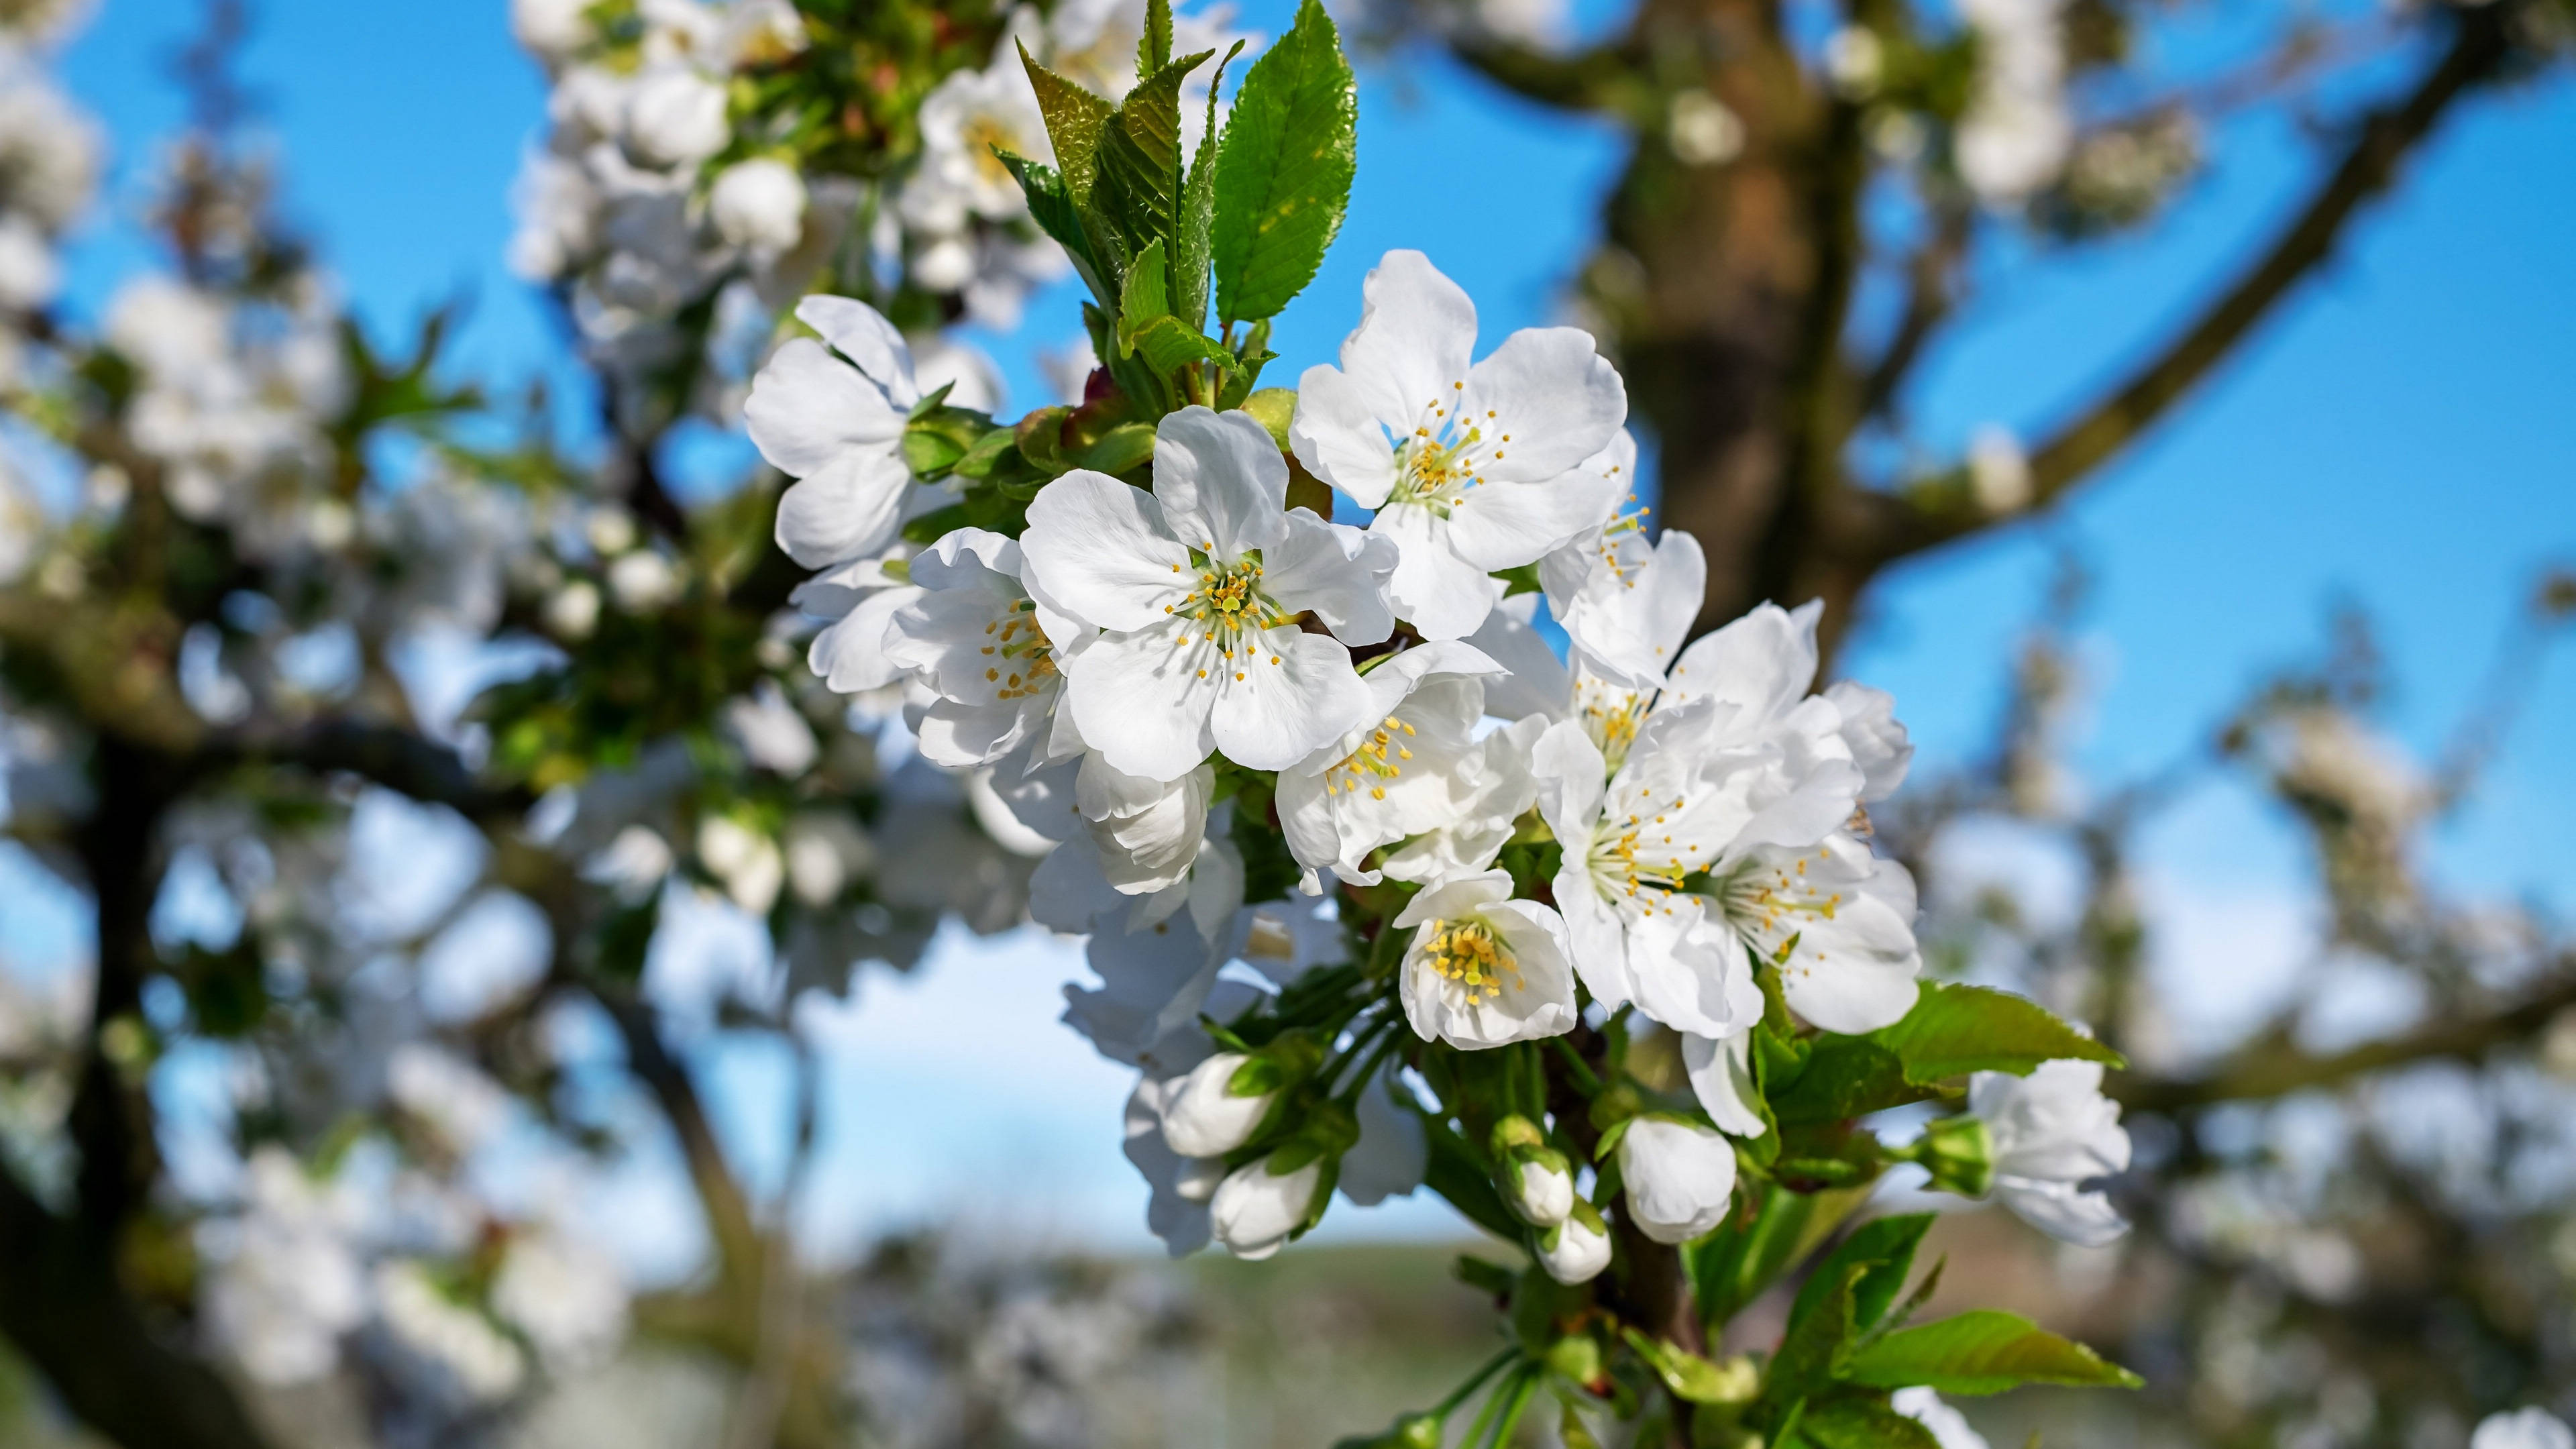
[(1353, 846)]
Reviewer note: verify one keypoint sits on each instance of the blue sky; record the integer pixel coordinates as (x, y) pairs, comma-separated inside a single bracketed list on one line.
[(2401, 435)]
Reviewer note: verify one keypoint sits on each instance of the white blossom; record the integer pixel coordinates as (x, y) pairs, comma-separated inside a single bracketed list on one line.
[(2523, 1429), (565, 1295), (2052, 1132), (1396, 774), (1470, 468), (1484, 969), (758, 203), (836, 424), (1679, 1177), (675, 116), (986, 649), (1193, 588), (2018, 131)]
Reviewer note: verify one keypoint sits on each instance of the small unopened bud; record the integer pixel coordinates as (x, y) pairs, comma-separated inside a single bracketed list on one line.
[(1577, 1249), (1960, 1154), (1538, 1184), (1207, 1117), (1260, 1206)]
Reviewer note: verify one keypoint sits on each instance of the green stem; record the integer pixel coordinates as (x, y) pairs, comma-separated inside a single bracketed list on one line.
[(1493, 1406), (1583, 1076), (1475, 1381), (1386, 1035), (1525, 1391)]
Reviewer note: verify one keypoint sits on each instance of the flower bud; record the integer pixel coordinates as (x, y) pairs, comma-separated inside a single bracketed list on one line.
[(1960, 1154), (1538, 1185), (1206, 1118), (1257, 1209), (675, 116), (1577, 1249), (1680, 1177), (759, 203), (1221, 1103)]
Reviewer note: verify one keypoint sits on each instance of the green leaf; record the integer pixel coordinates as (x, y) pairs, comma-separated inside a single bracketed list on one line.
[(1842, 1077), (1884, 1248), (1154, 47), (1053, 208), (1193, 227), (1075, 121), (1954, 1030), (1140, 157), (1858, 1421), (1145, 301), (1283, 172), (1167, 347), (1981, 1352), (1733, 1265)]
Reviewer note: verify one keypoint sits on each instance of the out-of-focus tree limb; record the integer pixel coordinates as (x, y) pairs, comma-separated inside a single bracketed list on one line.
[(2270, 1068), (61, 1305), (1588, 80), (2382, 141), (1932, 281), (730, 1225)]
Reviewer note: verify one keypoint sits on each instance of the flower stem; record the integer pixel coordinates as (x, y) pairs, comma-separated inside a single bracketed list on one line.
[(1521, 1394), (1583, 1076), (1475, 1381)]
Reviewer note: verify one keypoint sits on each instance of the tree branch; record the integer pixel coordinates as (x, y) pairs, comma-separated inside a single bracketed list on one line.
[(737, 1238), (1589, 80), (2269, 1068), (1946, 509)]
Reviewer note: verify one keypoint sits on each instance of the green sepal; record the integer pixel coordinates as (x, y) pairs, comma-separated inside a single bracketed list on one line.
[(1120, 450), (1860, 1421), (1452, 1169), (1692, 1377)]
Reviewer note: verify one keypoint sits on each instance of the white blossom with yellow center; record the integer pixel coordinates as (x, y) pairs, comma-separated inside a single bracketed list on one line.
[(1397, 774), (964, 119), (1198, 592), (986, 651), (1484, 969), (1471, 468)]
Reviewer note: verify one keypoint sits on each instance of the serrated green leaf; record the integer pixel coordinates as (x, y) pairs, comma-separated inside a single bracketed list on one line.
[(1884, 1248), (1844, 1076), (1954, 1030), (1154, 47), (1981, 1352), (1167, 347), (1075, 122), (1193, 227), (1140, 157), (1053, 208), (1283, 172), (1861, 1421)]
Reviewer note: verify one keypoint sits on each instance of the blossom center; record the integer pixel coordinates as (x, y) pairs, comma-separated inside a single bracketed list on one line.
[(1774, 901), (1230, 608), (1640, 862), (1022, 648), (1470, 954), (983, 136), (1379, 758), (1445, 457)]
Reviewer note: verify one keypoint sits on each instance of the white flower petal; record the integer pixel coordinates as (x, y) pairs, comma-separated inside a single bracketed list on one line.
[(1220, 480), (1275, 708), (1335, 570), (1142, 699), (807, 408), (852, 505), (1099, 551), (861, 333), (1550, 389)]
